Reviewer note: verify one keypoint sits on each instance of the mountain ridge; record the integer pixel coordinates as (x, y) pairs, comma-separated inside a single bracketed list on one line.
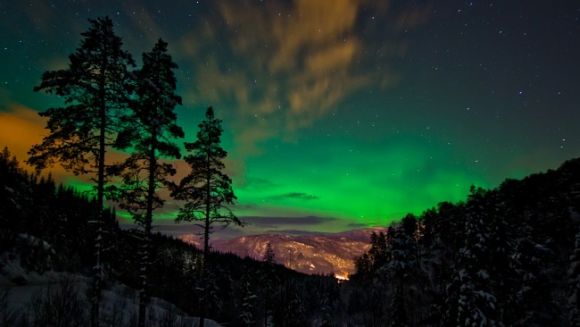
[(310, 253)]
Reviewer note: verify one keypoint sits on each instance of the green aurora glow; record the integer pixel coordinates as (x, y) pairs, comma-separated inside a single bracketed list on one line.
[(363, 118)]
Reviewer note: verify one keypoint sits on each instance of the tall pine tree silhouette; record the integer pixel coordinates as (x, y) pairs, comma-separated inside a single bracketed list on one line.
[(94, 88), (207, 190), (149, 131)]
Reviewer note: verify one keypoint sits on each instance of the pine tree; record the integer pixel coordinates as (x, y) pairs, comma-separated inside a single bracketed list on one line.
[(94, 88), (149, 131), (402, 271), (379, 252), (574, 284), (326, 310), (206, 190), (531, 302), (500, 247), (269, 255), (9, 177), (269, 282), (470, 300), (248, 304)]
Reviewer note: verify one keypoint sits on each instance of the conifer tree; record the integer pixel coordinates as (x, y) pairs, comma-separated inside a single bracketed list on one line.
[(574, 284), (206, 190), (9, 177), (149, 131), (248, 304), (531, 302), (402, 271), (269, 255), (500, 248), (471, 302), (269, 282), (94, 88)]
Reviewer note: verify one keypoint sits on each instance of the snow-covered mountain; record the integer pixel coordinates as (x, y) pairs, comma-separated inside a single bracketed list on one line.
[(311, 253)]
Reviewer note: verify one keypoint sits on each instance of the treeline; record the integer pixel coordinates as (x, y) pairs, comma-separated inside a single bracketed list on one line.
[(504, 257), (240, 292)]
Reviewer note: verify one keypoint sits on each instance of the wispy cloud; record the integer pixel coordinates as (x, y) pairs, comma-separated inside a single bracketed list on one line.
[(286, 65), (261, 225), (294, 196), (284, 221)]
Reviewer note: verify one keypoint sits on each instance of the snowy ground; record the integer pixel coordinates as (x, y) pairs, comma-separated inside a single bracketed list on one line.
[(23, 292)]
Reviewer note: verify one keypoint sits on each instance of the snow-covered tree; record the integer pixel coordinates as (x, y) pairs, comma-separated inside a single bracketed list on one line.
[(248, 304), (574, 284), (470, 300), (531, 303), (403, 273), (269, 284)]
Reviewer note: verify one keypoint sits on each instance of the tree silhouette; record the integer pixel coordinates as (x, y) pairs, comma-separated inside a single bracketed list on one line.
[(574, 284), (471, 301), (94, 88), (207, 190), (149, 131), (269, 282), (269, 255)]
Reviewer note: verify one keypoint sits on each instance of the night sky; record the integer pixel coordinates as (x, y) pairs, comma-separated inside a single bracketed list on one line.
[(346, 112)]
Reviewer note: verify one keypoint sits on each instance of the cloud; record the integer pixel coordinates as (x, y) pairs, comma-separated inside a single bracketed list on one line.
[(143, 23), (285, 221), (357, 225), (20, 128), (265, 225), (256, 225), (311, 25), (285, 65), (294, 196)]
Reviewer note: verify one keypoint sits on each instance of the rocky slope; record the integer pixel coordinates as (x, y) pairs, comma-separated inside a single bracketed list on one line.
[(311, 253)]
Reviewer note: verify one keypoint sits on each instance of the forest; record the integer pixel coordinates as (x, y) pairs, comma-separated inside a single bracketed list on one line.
[(508, 256)]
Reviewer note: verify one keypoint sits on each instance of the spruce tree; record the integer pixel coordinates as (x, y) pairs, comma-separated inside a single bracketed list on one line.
[(149, 131), (574, 284), (269, 283), (470, 299), (95, 88), (269, 255), (500, 247), (248, 302), (402, 272), (206, 190), (531, 302)]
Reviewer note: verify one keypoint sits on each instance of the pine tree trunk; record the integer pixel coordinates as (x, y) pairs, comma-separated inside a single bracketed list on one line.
[(98, 269), (145, 263), (205, 243)]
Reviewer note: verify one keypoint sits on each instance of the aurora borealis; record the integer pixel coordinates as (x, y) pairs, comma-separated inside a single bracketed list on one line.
[(357, 110)]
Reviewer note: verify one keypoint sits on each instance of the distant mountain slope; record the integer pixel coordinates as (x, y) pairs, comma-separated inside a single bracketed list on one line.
[(311, 253)]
